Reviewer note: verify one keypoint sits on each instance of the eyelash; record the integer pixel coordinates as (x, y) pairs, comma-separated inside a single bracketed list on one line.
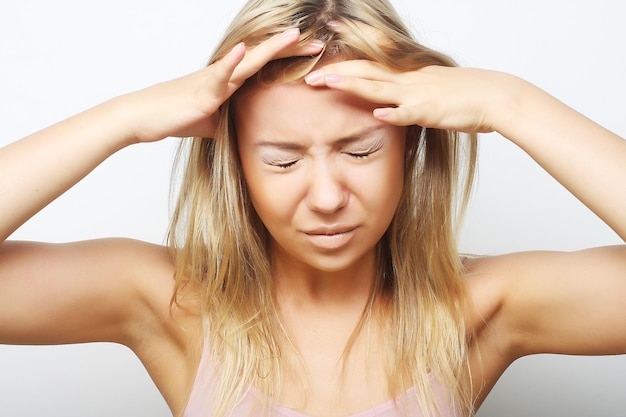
[(357, 155), (366, 152), (286, 165), (352, 154)]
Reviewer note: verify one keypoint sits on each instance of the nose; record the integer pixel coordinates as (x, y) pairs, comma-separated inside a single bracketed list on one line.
[(326, 193)]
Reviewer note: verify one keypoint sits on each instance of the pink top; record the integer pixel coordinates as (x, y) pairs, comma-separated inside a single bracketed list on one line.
[(199, 404)]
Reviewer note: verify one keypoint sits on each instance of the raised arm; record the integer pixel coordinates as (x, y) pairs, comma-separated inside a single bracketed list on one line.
[(90, 290), (538, 301), (587, 159), (31, 174)]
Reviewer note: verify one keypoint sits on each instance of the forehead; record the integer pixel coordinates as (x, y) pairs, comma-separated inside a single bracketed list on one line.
[(297, 111)]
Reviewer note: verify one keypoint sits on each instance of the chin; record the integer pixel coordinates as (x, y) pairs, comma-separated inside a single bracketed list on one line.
[(325, 261), (336, 263)]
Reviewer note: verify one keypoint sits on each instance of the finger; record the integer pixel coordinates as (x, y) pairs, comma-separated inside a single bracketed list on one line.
[(422, 115), (381, 92), (265, 52), (399, 116), (310, 48), (227, 65), (369, 32), (337, 26), (355, 68)]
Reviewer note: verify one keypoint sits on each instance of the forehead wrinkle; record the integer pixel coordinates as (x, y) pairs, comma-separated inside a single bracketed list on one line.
[(295, 146), (355, 137), (278, 144)]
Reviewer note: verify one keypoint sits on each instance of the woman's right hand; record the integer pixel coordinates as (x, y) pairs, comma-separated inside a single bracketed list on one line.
[(186, 107), (182, 107)]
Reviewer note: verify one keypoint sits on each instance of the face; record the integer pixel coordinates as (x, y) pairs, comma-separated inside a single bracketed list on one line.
[(324, 176)]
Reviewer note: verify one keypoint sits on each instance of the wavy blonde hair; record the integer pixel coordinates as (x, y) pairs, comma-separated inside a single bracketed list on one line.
[(219, 242)]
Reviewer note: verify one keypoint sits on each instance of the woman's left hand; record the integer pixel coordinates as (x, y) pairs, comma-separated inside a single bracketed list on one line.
[(461, 99), (583, 156)]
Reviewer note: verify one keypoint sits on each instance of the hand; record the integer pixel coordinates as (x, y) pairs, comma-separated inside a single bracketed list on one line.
[(461, 99), (187, 106)]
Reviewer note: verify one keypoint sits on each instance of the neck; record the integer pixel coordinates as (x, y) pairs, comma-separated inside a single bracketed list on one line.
[(301, 284)]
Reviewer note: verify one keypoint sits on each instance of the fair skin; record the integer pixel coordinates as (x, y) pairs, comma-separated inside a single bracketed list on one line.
[(339, 165), (522, 303)]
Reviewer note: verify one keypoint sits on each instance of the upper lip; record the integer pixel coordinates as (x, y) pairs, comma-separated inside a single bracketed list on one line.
[(329, 230)]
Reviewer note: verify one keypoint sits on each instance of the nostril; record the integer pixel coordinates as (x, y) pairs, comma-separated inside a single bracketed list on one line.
[(326, 196)]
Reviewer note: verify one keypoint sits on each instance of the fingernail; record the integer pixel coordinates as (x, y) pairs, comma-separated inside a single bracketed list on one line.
[(333, 78), (382, 113), (314, 77), (316, 43), (290, 32), (333, 25)]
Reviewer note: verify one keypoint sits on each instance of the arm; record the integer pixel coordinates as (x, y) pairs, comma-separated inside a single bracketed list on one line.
[(182, 107), (89, 291), (544, 302), (587, 159), (82, 291), (540, 301), (553, 302)]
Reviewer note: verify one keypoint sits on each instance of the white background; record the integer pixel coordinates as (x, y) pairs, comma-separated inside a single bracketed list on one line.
[(57, 58)]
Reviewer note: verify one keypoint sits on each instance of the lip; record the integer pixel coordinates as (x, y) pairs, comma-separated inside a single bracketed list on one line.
[(330, 237), (329, 230)]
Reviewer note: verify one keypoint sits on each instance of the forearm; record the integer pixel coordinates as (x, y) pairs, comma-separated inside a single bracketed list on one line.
[(37, 169), (587, 159)]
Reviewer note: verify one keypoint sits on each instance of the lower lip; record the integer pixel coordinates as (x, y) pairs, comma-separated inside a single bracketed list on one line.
[(334, 241)]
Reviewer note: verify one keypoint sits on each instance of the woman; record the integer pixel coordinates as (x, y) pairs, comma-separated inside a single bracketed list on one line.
[(315, 231)]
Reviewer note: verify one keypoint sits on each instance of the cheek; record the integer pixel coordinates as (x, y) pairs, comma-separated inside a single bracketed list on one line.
[(260, 193), (384, 186), (271, 195), (379, 188), (254, 184)]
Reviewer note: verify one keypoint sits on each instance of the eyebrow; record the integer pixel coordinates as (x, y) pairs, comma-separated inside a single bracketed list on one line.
[(292, 146)]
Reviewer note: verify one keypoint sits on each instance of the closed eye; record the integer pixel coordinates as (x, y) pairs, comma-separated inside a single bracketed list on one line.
[(285, 165), (359, 155), (281, 161), (363, 149)]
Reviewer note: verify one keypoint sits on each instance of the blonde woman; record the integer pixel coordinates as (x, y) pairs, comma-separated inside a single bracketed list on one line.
[(312, 267)]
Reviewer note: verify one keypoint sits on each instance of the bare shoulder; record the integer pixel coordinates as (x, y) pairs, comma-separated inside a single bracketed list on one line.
[(108, 290), (545, 302), (80, 291), (495, 282)]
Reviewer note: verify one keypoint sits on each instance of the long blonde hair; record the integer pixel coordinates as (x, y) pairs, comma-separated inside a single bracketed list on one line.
[(219, 242)]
